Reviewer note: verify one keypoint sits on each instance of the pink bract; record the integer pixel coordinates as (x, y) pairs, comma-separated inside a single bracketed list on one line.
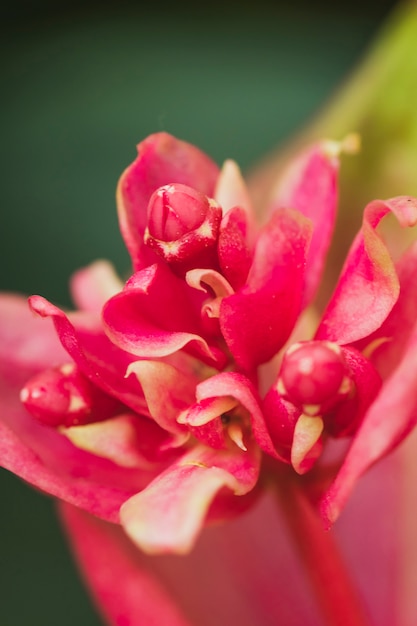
[(178, 398)]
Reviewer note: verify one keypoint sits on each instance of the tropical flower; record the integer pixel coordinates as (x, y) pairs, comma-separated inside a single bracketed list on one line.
[(177, 399)]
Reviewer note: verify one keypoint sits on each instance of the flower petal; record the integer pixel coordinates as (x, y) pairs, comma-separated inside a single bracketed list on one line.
[(156, 315), (38, 454), (167, 391), (386, 345), (388, 421), (309, 185), (93, 285), (26, 344), (235, 385), (258, 319), (100, 360), (168, 515), (161, 160), (123, 587), (128, 440), (235, 248), (103, 500), (368, 280)]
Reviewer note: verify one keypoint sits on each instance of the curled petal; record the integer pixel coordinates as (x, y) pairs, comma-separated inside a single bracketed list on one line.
[(123, 587), (387, 422), (213, 283), (368, 280), (156, 315), (258, 319), (93, 285), (207, 410), (384, 348), (99, 360), (168, 515), (235, 385), (167, 391), (128, 440), (201, 279), (161, 160)]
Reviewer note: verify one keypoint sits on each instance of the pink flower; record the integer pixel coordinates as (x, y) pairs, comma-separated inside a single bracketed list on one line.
[(179, 398)]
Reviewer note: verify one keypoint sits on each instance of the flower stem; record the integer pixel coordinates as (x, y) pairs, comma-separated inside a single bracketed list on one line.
[(338, 599)]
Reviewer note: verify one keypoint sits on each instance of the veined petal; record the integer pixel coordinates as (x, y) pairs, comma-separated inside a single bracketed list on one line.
[(388, 421), (122, 585), (258, 319), (99, 360), (309, 185), (168, 515), (161, 160), (93, 285), (368, 281), (156, 315)]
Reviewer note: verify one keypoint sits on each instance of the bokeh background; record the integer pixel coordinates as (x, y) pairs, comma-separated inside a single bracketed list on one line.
[(82, 84)]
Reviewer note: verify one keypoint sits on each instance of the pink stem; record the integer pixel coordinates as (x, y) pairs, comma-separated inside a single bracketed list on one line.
[(332, 585)]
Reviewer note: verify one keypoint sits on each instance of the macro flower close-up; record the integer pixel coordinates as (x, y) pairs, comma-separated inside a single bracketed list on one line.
[(227, 430), (174, 400)]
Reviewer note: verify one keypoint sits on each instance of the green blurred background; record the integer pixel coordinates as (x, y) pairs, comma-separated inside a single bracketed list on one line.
[(83, 83)]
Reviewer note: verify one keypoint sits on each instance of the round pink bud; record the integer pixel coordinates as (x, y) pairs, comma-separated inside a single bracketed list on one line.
[(175, 210), (183, 227), (62, 396), (314, 376)]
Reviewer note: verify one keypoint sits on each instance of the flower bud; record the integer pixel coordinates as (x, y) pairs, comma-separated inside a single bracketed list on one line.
[(314, 376), (183, 226), (62, 396)]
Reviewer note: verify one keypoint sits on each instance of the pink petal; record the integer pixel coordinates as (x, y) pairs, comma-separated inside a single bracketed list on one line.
[(368, 287), (386, 345), (100, 360), (388, 421), (26, 344), (258, 319), (167, 391), (99, 499), (309, 185), (234, 247), (157, 315), (124, 589), (235, 385), (231, 190), (161, 160), (255, 580), (38, 454), (245, 572), (93, 285), (128, 440), (168, 515)]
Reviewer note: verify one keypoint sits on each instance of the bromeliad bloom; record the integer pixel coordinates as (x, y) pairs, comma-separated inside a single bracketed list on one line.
[(177, 398)]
